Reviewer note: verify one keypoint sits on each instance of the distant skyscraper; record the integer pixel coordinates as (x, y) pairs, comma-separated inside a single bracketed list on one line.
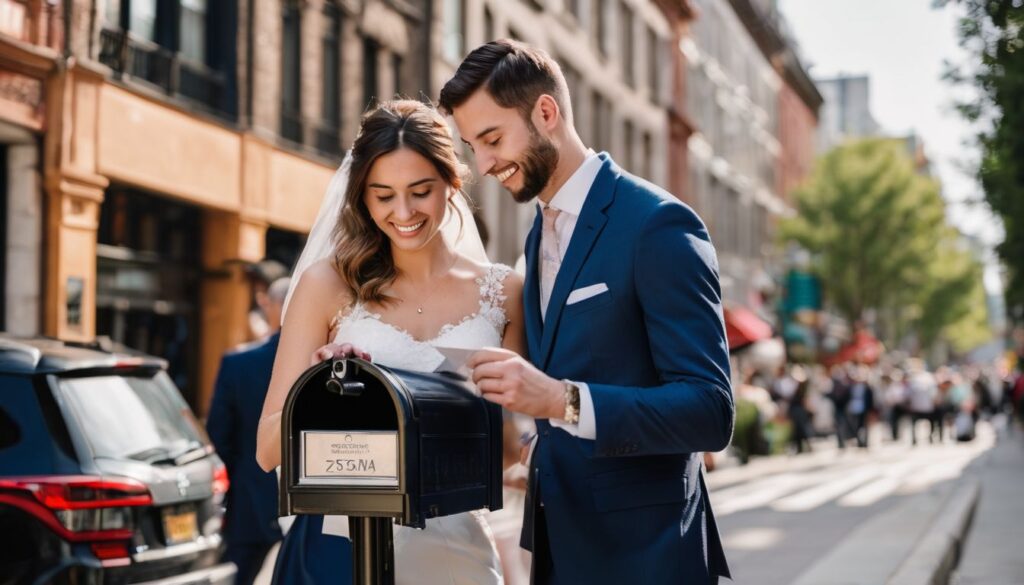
[(846, 112)]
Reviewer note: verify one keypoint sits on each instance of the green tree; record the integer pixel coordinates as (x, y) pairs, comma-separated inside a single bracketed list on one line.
[(878, 234), (993, 32), (952, 301)]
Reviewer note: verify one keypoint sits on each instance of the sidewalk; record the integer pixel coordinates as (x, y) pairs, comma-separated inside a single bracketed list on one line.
[(993, 553)]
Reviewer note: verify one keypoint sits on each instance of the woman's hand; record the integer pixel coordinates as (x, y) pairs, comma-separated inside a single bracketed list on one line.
[(335, 351)]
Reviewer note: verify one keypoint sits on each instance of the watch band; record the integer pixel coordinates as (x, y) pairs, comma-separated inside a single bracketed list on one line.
[(572, 403)]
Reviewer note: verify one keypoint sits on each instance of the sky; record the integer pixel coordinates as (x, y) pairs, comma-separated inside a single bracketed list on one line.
[(901, 45)]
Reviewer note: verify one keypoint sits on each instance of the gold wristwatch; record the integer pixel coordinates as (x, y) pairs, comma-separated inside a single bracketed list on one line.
[(572, 403)]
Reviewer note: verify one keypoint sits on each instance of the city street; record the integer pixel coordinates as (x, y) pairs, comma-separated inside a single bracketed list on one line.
[(782, 518)]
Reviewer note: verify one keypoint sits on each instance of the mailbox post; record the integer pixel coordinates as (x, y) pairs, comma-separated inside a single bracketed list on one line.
[(384, 445)]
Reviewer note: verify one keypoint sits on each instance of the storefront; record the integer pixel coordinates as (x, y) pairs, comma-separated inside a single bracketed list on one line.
[(148, 279)]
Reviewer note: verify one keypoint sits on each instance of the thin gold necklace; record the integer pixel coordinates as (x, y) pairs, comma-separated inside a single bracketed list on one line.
[(424, 299)]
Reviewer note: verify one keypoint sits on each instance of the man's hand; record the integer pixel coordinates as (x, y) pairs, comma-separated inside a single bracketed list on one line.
[(337, 351), (505, 378)]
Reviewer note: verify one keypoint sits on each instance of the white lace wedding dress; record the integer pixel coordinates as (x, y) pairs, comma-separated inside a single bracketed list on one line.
[(453, 550)]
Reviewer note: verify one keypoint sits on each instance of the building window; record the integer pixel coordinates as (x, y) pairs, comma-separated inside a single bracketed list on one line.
[(601, 118), (396, 70), (572, 82), (371, 52), (599, 10), (489, 32), (185, 48), (193, 30), (627, 148), (647, 164), (329, 136), (291, 72), (112, 13), (626, 39), (454, 30), (654, 68), (573, 7), (142, 19)]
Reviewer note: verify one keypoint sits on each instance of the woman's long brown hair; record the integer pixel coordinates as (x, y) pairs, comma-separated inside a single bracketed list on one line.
[(363, 253)]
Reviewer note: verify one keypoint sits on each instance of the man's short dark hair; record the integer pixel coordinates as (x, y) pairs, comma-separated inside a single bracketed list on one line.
[(513, 73)]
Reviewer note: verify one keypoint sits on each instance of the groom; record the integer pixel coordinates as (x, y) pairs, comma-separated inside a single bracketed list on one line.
[(628, 370)]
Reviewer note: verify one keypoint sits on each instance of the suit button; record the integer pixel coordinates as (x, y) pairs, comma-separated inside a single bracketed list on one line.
[(546, 432)]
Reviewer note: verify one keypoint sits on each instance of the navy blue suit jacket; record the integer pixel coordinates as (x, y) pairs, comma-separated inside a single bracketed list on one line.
[(631, 506), (241, 387)]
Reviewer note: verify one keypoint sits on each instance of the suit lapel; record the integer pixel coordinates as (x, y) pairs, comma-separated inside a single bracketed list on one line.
[(531, 291), (588, 227)]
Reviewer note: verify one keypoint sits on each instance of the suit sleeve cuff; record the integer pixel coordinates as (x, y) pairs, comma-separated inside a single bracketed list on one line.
[(586, 428)]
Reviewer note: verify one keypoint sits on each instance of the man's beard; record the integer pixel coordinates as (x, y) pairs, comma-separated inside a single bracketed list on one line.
[(537, 166)]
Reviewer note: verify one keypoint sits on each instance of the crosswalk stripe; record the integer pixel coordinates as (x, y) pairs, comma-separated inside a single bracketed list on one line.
[(816, 496)]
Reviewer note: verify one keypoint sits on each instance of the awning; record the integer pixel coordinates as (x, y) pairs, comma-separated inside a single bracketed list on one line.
[(743, 327), (864, 348)]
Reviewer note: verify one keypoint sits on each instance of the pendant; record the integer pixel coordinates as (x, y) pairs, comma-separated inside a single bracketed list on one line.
[(419, 310)]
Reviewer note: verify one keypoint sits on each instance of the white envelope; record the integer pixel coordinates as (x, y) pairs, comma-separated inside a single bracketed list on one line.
[(455, 359), (582, 294)]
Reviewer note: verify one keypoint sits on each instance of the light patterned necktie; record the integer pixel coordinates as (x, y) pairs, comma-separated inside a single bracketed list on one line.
[(550, 260)]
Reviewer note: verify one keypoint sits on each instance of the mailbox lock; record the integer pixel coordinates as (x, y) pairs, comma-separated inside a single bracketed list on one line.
[(339, 385)]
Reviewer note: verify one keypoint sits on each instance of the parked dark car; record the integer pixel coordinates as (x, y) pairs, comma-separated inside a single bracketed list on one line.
[(106, 477)]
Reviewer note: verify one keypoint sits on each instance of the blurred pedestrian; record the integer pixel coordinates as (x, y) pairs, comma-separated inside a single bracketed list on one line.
[(860, 404), (251, 527), (261, 275), (894, 400), (839, 395), (799, 411), (923, 393)]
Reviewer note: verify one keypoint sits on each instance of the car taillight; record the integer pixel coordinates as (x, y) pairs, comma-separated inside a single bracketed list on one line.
[(82, 509), (220, 481)]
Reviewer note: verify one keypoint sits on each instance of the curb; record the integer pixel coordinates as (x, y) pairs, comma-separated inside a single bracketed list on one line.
[(934, 558)]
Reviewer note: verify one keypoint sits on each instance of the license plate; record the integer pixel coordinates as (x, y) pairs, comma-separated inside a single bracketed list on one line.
[(180, 526), (350, 458)]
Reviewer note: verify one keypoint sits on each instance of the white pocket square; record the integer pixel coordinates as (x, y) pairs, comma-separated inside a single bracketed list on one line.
[(582, 294)]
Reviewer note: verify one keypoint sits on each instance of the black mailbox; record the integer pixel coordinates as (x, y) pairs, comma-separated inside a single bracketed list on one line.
[(364, 440)]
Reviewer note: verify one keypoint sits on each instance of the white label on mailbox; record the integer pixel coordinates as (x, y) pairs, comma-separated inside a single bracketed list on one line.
[(350, 457)]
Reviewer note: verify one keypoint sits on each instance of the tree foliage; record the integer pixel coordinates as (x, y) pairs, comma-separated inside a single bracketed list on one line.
[(878, 234), (993, 32)]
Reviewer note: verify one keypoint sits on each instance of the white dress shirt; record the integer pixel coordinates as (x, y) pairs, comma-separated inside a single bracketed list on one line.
[(569, 201)]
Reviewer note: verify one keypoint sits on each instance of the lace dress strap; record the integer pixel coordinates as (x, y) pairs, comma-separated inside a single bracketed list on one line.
[(352, 312), (492, 295)]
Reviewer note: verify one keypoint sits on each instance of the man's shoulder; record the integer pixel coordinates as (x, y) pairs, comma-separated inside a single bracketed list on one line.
[(646, 206), (644, 197), (250, 350)]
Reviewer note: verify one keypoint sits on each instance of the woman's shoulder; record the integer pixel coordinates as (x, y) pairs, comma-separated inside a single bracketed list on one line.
[(322, 280)]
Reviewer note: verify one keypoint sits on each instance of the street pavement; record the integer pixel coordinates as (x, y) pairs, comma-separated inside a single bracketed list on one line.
[(993, 553), (832, 517), (836, 516)]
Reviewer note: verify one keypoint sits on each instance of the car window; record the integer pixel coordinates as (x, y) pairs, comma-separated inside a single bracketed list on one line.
[(130, 417), (25, 444), (10, 431)]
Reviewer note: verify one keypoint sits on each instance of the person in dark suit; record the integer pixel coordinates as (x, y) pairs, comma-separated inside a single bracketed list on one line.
[(251, 528), (628, 369)]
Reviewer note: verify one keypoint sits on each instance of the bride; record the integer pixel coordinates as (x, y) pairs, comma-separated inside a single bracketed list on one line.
[(395, 268)]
